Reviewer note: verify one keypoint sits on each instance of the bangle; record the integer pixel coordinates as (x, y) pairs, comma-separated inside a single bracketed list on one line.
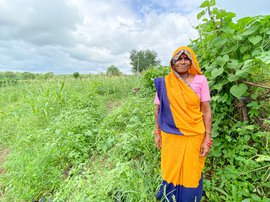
[(209, 143), (157, 131)]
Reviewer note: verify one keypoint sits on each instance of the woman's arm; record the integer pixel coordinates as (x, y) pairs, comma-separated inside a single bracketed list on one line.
[(157, 128), (207, 120), (156, 117)]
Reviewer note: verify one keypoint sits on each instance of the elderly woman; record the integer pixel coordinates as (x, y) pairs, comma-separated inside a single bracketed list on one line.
[(183, 124)]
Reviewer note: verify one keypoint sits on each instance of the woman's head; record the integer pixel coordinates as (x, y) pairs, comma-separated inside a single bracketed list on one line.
[(181, 64), (184, 57)]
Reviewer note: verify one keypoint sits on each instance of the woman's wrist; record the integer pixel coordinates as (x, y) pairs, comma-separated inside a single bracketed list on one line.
[(208, 139), (208, 143), (157, 131), (208, 133)]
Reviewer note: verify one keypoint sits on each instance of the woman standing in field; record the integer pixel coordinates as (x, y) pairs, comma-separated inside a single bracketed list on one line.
[(183, 124)]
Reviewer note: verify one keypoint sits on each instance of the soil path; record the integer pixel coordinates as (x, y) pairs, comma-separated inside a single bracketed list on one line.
[(113, 104)]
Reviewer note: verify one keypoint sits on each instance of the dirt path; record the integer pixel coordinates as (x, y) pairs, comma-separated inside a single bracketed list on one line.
[(113, 104), (3, 154)]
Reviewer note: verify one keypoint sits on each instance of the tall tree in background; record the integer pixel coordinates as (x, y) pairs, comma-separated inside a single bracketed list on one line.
[(113, 71), (142, 60)]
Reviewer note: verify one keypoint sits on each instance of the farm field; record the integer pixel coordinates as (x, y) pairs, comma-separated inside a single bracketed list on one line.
[(60, 132), (90, 139)]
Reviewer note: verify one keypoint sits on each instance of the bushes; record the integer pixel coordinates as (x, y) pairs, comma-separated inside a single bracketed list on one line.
[(151, 74), (231, 56)]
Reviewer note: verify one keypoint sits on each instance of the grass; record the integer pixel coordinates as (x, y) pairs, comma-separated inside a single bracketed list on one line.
[(90, 139)]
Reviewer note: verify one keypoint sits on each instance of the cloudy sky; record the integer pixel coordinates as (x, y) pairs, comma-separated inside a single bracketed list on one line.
[(87, 36)]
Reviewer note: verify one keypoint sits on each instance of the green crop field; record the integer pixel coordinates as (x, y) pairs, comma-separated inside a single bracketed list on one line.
[(77, 139), (90, 137)]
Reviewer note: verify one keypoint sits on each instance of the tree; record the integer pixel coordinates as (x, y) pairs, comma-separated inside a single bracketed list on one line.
[(76, 75), (113, 71), (143, 59)]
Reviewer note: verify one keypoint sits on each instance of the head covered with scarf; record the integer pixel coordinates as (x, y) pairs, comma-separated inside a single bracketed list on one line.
[(195, 68)]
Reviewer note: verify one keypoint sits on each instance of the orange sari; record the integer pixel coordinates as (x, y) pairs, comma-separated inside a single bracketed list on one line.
[(182, 130)]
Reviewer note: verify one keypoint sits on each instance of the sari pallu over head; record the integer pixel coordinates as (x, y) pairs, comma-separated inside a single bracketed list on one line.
[(179, 105)]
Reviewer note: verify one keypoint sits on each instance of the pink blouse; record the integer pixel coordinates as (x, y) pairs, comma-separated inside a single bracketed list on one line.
[(200, 87)]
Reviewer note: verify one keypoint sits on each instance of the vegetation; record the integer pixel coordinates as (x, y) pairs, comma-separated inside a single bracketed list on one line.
[(90, 139), (235, 57), (113, 71), (76, 75), (143, 59)]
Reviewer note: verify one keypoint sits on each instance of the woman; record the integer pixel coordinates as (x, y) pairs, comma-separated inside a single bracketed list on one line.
[(183, 124)]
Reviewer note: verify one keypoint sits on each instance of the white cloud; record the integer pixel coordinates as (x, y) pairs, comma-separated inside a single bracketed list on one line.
[(64, 36)]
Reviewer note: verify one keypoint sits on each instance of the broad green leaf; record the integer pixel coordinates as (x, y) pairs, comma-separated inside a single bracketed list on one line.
[(219, 42), (238, 37), (247, 63), (255, 197), (244, 48), (241, 72), (227, 30), (265, 57), (238, 90), (224, 14), (246, 57), (212, 2), (255, 39), (249, 31), (233, 64), (223, 98), (233, 77), (256, 52), (230, 50), (200, 14), (218, 86), (217, 72), (221, 61), (204, 4), (247, 137), (249, 127)]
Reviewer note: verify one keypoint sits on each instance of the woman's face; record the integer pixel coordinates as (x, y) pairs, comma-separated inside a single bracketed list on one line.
[(183, 64)]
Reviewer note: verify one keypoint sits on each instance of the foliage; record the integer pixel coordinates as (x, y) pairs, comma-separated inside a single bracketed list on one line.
[(11, 78), (76, 75), (151, 74), (143, 59), (113, 71), (235, 57)]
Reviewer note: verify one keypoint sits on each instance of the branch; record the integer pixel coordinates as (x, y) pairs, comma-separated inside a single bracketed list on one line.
[(255, 84)]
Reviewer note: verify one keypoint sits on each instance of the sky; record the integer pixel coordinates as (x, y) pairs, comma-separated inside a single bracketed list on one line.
[(88, 36)]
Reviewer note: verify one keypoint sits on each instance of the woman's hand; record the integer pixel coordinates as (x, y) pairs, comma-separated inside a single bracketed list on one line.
[(158, 140), (205, 147)]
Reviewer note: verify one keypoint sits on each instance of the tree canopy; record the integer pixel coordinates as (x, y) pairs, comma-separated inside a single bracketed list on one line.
[(113, 71), (143, 59)]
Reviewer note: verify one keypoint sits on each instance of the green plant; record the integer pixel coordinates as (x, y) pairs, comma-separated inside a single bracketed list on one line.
[(142, 60), (235, 58), (76, 75)]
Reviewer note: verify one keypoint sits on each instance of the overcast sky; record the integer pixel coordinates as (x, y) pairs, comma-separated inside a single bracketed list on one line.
[(87, 36)]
